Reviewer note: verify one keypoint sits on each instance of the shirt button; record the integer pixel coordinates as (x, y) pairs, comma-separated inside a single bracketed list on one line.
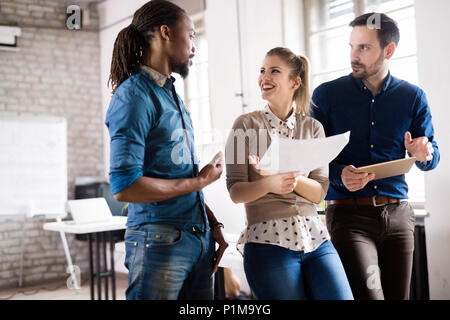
[(375, 187), (373, 100), (373, 123), (371, 146), (365, 88)]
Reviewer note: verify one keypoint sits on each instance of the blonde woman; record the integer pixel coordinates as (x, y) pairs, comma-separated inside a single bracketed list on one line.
[(286, 247)]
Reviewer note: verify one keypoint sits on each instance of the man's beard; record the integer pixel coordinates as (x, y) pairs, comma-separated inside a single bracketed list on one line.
[(376, 67), (182, 69)]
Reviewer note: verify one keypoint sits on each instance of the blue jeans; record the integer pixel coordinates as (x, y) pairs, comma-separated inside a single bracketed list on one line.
[(166, 263), (277, 273)]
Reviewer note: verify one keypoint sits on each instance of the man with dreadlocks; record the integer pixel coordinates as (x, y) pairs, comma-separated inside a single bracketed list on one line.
[(171, 232)]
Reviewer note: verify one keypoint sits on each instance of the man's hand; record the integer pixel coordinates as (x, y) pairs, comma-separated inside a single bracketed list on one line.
[(354, 180), (212, 171), (223, 245), (420, 147)]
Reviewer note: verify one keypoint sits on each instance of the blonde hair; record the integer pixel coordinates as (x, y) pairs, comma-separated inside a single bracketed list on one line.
[(299, 67)]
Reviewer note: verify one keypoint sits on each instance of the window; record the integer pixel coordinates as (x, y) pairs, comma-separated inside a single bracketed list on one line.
[(197, 92), (328, 34), (194, 90), (327, 46)]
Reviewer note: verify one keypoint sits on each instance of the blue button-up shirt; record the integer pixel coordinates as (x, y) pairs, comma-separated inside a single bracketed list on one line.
[(147, 139), (378, 125)]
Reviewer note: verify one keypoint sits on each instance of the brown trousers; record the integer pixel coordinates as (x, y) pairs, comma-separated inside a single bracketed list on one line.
[(376, 246)]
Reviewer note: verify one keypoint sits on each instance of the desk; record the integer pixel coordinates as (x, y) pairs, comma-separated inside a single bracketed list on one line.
[(97, 231)]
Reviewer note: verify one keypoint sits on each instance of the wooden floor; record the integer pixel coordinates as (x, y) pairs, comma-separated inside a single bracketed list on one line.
[(59, 291)]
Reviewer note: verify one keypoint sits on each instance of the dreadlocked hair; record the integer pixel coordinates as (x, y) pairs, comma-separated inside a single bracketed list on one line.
[(134, 40)]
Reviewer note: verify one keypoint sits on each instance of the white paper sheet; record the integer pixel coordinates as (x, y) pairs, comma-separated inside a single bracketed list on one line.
[(288, 155)]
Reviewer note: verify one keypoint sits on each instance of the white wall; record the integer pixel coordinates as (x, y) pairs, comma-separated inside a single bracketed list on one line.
[(261, 29), (433, 25), (221, 32), (263, 24), (293, 26)]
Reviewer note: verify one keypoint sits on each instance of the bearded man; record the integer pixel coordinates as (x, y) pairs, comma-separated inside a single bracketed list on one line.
[(370, 221)]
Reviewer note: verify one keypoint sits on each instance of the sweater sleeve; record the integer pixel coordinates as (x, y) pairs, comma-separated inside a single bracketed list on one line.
[(236, 154)]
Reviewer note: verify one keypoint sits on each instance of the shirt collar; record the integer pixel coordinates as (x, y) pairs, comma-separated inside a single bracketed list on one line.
[(362, 86), (274, 120), (388, 82), (159, 78)]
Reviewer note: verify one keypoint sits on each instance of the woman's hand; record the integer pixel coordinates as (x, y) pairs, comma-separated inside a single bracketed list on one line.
[(254, 160), (282, 183)]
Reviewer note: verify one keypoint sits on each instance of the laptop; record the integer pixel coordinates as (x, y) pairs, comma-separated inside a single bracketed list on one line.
[(93, 210)]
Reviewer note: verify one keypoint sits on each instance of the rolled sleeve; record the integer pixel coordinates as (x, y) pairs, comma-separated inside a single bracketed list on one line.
[(422, 126), (237, 163), (129, 122)]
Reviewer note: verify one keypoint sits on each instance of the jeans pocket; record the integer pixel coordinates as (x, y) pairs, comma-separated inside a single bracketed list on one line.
[(402, 217), (134, 240), (164, 237), (412, 217), (130, 253)]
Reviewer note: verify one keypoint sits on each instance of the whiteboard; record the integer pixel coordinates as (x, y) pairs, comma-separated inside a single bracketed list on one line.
[(33, 165)]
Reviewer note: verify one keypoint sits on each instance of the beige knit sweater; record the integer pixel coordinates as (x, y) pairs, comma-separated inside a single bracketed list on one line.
[(249, 134)]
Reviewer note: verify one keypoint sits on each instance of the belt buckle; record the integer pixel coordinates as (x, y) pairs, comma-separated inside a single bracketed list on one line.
[(374, 202)]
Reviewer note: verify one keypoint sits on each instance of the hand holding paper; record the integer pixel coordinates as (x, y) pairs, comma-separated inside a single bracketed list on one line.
[(282, 183), (254, 161), (212, 171)]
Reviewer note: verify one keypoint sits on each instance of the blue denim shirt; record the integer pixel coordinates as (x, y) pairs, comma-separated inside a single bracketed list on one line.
[(147, 139), (378, 125)]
